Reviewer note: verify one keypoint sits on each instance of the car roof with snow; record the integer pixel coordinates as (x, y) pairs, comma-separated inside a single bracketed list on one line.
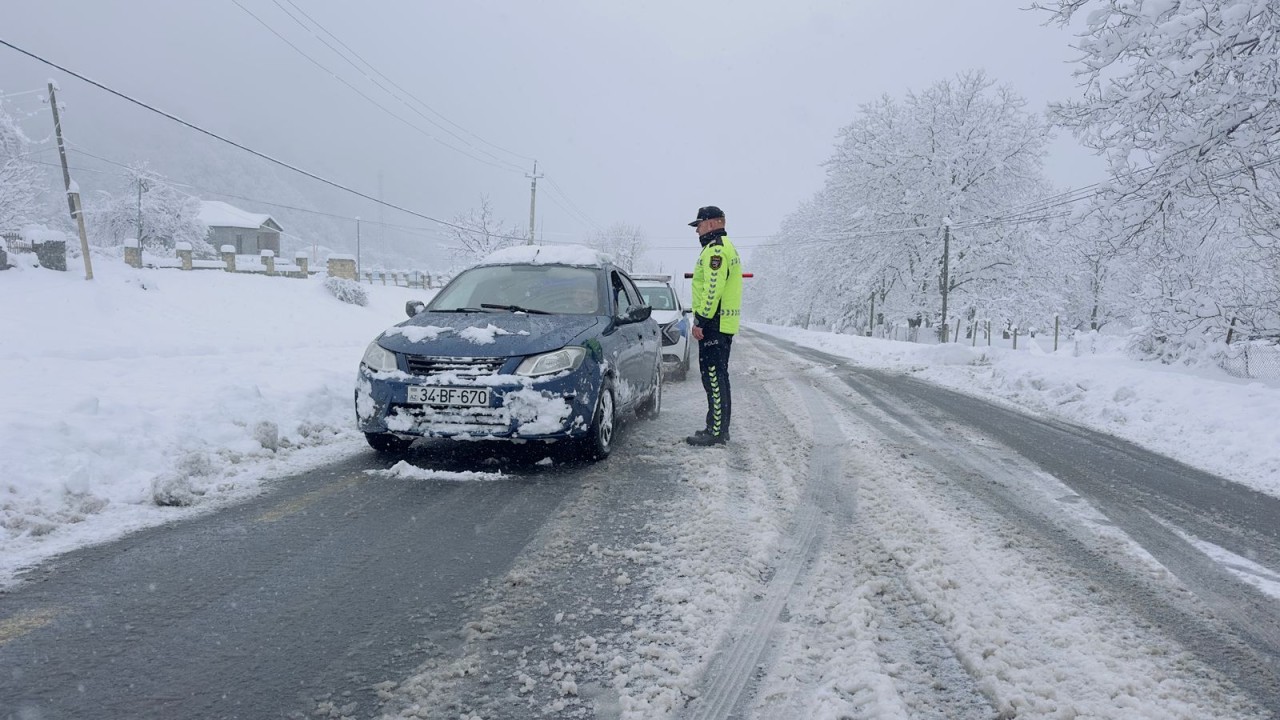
[(577, 255)]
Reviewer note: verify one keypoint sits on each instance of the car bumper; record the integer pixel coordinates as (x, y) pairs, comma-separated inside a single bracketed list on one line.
[(675, 356), (523, 409)]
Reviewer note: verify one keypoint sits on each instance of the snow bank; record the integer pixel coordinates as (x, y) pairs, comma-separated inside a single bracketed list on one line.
[(163, 386), (1202, 417)]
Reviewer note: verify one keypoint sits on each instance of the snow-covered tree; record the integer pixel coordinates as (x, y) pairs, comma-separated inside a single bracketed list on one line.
[(958, 154), (168, 215), (1181, 99), (19, 178), (479, 233), (622, 242)]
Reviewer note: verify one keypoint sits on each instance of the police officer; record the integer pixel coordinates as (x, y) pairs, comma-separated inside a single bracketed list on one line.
[(717, 306)]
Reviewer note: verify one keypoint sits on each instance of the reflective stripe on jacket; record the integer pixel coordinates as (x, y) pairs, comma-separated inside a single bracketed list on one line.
[(717, 286)]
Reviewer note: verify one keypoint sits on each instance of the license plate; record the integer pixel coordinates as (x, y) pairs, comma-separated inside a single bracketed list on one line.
[(455, 396)]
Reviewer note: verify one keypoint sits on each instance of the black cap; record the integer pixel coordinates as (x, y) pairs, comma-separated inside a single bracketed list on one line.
[(710, 212)]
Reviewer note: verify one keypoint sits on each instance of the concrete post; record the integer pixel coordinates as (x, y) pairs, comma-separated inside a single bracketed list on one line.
[(300, 259), (52, 254), (133, 253), (184, 254), (269, 260), (343, 266), (229, 257)]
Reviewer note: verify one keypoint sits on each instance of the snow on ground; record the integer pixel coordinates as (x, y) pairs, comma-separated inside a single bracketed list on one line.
[(205, 383), (1205, 418)]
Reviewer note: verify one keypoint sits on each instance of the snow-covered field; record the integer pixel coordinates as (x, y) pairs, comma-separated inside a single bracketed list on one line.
[(141, 380)]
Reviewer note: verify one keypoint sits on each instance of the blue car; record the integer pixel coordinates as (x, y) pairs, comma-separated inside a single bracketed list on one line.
[(542, 344)]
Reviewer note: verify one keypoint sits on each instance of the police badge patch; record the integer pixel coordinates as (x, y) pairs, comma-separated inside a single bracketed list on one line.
[(715, 262)]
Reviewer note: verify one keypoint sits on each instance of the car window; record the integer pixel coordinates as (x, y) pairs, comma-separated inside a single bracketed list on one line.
[(549, 288), (633, 292), (658, 297), (623, 297)]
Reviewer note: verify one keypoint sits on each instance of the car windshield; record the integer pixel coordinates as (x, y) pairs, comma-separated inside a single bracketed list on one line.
[(658, 297), (559, 289)]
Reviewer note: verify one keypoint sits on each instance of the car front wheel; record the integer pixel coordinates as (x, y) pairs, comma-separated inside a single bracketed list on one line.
[(652, 407), (599, 441)]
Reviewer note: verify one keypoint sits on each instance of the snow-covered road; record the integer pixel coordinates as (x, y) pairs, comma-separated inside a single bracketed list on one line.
[(854, 554)]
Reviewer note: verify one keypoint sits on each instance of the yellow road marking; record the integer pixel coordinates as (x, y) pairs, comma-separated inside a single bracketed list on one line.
[(302, 501), (15, 627)]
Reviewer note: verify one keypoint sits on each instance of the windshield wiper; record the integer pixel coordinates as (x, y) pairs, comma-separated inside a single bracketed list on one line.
[(515, 308), (459, 310)]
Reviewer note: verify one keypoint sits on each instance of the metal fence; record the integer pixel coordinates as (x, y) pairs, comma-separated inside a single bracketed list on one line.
[(405, 278), (1255, 359)]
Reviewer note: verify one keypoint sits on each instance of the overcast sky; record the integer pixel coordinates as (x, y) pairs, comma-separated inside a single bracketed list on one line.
[(638, 111)]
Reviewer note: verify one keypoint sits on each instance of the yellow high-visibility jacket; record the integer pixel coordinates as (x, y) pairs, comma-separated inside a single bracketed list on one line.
[(717, 287)]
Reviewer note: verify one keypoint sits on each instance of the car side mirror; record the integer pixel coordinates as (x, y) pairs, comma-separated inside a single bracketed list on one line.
[(638, 313), (413, 307)]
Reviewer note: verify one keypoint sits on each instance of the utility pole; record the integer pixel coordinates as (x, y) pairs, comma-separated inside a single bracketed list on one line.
[(73, 198), (533, 198), (946, 267), (357, 249), (382, 225), (871, 325)]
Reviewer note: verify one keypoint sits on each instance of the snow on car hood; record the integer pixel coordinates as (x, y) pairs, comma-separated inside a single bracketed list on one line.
[(497, 334), (662, 317)]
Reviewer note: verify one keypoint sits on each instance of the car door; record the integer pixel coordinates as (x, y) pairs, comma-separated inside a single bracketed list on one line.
[(628, 338), (649, 353)]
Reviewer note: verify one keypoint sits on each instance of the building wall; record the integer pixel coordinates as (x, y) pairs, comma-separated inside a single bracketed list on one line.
[(246, 241), (269, 240)]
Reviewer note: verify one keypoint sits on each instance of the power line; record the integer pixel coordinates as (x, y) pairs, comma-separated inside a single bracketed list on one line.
[(555, 186), (390, 92), (401, 89), (434, 232), (235, 144), (6, 96), (359, 92), (575, 210)]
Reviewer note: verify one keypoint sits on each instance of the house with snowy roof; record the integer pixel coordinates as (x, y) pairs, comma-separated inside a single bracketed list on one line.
[(250, 233)]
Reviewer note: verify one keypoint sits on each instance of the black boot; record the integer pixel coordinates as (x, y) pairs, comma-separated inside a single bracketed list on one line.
[(725, 434), (702, 438)]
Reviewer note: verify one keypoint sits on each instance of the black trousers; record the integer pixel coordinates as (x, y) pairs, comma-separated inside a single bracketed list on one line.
[(713, 362)]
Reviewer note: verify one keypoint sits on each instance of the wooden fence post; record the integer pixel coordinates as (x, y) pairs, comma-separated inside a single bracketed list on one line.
[(1055, 333), (1015, 338)]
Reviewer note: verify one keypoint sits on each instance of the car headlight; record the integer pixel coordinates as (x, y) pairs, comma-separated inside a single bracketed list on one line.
[(379, 358), (671, 331), (568, 358)]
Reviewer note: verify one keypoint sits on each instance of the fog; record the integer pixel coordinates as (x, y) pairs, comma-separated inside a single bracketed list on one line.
[(635, 112)]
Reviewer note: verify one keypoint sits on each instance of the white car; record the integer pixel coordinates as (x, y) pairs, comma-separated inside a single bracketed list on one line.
[(673, 318)]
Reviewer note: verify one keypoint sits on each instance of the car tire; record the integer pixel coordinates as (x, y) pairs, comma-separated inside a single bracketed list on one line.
[(599, 440), (388, 444), (683, 373), (651, 408)]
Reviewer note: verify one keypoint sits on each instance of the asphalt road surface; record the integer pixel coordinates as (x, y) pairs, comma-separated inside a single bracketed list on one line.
[(547, 592)]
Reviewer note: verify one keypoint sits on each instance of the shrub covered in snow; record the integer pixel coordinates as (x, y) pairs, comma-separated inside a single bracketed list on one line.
[(348, 291)]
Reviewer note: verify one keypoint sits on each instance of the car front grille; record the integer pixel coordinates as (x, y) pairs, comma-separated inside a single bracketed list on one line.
[(464, 366), (450, 419)]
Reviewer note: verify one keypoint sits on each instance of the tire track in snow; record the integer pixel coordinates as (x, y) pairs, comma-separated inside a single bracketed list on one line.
[(736, 663), (903, 410), (904, 663)]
